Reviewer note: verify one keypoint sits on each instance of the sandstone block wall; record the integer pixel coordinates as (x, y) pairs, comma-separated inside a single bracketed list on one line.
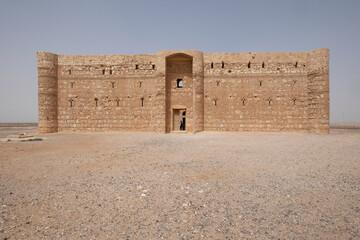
[(219, 92)]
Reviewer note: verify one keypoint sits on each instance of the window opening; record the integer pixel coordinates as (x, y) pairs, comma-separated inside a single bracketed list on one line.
[(117, 102), (69, 72), (110, 72), (217, 83), (96, 102), (136, 66), (142, 101), (140, 83), (71, 102), (112, 84), (263, 65), (249, 65), (179, 83), (72, 84), (222, 65), (103, 71), (215, 101), (296, 64), (212, 65), (153, 66), (243, 101), (261, 83), (270, 101), (294, 100)]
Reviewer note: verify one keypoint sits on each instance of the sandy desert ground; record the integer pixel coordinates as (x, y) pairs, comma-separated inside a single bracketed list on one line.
[(211, 185)]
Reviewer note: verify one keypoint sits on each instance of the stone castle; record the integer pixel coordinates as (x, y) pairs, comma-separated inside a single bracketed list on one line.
[(184, 92)]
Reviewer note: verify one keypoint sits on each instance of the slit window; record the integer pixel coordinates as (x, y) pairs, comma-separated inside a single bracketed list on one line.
[(72, 84), (142, 101), (212, 65), (117, 102), (218, 83), (71, 102), (215, 101), (136, 66), (96, 102), (140, 83), (110, 72), (112, 84), (243, 101), (249, 65), (296, 64), (263, 65), (69, 72), (222, 65), (294, 101), (261, 83), (103, 71), (153, 66), (179, 83), (269, 101)]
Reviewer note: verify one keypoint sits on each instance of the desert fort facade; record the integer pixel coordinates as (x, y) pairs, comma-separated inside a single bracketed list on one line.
[(184, 92)]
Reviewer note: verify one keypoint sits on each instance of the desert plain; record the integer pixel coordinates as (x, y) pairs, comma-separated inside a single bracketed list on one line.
[(209, 185)]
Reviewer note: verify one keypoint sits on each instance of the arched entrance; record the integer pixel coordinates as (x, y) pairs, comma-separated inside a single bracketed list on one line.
[(179, 93)]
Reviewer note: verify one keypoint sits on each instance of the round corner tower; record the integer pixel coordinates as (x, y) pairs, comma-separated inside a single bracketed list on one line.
[(47, 92)]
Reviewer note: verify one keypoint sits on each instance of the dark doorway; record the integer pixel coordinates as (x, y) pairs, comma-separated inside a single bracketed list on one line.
[(179, 123)]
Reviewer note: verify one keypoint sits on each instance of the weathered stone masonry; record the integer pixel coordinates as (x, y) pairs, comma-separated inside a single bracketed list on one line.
[(184, 91)]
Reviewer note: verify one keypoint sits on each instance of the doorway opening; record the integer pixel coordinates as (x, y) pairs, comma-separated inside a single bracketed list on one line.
[(179, 123)]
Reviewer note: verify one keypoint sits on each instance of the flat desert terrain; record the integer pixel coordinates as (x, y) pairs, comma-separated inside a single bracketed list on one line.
[(210, 185)]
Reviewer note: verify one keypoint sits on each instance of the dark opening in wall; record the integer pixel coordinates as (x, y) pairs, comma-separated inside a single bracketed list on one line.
[(96, 102), (117, 102), (249, 65), (261, 83), (294, 100), (243, 101), (140, 83), (153, 66), (263, 65), (179, 83), (215, 101), (112, 84), (212, 65), (110, 72), (295, 81), (136, 66), (222, 65), (69, 72), (72, 84), (142, 101), (103, 71), (71, 102), (217, 83), (296, 64), (269, 101)]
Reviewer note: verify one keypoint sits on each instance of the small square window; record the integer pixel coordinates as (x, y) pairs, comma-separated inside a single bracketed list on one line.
[(179, 83)]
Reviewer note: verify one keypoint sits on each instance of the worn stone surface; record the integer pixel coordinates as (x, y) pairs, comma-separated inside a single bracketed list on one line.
[(220, 91)]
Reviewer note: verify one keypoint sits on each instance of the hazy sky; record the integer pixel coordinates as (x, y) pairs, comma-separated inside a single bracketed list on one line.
[(132, 27)]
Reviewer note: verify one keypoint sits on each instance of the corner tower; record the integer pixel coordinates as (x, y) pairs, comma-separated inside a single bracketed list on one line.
[(47, 92)]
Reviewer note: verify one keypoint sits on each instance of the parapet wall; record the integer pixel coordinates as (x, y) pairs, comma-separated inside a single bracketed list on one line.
[(223, 91)]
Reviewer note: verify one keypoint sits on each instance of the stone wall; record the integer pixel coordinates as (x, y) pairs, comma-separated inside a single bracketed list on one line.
[(221, 91)]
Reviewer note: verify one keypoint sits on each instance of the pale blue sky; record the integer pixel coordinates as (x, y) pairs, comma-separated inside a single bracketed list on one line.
[(124, 27)]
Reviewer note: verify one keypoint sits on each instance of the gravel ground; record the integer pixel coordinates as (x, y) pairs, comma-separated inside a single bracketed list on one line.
[(211, 185)]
